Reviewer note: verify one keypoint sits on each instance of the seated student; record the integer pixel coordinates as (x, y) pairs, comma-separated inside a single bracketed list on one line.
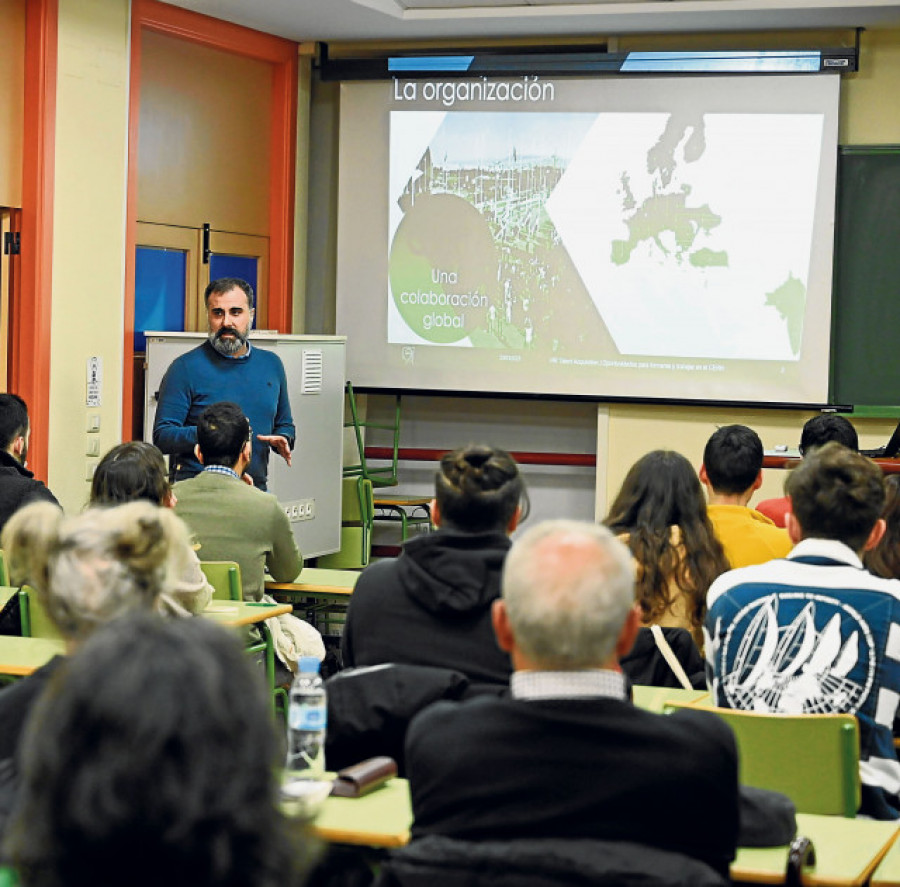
[(136, 471), (817, 432), (732, 473), (152, 759), (660, 514), (233, 521), (18, 486), (815, 632), (567, 755), (884, 559), (230, 519), (432, 605), (85, 570)]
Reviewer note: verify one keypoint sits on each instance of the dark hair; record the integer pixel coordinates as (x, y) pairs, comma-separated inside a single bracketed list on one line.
[(226, 285), (836, 494), (478, 489), (151, 759), (884, 559), (130, 471), (824, 428), (733, 458), (13, 419), (661, 491), (222, 431)]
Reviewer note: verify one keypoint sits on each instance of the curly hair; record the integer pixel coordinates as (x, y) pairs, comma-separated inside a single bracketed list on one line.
[(478, 489), (152, 759), (661, 491)]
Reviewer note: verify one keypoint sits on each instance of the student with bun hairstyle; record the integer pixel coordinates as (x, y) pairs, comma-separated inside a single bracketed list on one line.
[(136, 471), (432, 605), (86, 571), (660, 514)]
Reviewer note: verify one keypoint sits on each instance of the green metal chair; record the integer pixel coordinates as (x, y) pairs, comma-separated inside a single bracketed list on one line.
[(357, 516), (381, 476), (813, 759), (225, 578), (33, 617)]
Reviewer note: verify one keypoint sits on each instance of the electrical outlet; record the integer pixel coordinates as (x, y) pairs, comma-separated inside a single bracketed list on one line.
[(301, 509)]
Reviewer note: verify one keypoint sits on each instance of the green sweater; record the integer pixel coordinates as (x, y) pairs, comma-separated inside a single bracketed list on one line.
[(236, 522)]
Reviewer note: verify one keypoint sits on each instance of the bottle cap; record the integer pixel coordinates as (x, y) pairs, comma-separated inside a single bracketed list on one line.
[(308, 664)]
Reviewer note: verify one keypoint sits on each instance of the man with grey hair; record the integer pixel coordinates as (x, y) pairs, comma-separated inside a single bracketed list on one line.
[(567, 755)]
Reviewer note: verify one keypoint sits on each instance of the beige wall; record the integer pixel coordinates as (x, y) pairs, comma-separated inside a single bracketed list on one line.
[(635, 430), (88, 234), (12, 96)]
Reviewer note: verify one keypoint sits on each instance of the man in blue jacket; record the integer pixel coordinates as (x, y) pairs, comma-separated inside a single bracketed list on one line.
[(226, 367)]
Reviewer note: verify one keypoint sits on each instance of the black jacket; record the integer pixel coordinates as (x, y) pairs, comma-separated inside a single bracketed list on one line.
[(18, 487), (432, 606)]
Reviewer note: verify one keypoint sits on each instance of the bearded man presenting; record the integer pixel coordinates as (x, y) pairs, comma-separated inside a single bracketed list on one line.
[(225, 367)]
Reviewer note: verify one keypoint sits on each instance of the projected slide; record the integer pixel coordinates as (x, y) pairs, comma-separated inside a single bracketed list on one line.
[(679, 252)]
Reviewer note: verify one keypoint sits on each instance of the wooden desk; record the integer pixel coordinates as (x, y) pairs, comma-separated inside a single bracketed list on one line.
[(847, 851), (888, 466), (21, 656), (380, 819), (235, 613), (657, 698)]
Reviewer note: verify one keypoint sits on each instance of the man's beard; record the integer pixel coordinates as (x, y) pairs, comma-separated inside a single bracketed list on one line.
[(230, 346)]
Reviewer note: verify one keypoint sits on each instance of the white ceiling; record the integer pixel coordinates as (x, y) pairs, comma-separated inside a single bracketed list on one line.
[(339, 20)]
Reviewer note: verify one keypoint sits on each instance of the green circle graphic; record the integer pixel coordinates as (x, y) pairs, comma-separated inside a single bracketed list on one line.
[(443, 268)]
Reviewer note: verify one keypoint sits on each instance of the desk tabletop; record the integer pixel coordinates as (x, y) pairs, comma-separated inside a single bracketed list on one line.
[(234, 613), (21, 656), (380, 819), (318, 580), (888, 872), (847, 851), (399, 500), (657, 698)]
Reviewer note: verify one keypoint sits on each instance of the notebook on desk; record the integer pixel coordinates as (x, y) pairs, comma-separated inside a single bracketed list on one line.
[(889, 450)]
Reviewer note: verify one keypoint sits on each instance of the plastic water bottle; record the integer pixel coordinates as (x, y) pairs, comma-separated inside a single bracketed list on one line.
[(307, 720)]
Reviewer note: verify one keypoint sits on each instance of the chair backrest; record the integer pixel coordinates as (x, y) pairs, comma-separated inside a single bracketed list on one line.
[(357, 519), (4, 573), (381, 476), (225, 578), (35, 621), (813, 759)]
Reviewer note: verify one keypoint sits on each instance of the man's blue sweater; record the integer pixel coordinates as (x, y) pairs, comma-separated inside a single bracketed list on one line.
[(256, 382)]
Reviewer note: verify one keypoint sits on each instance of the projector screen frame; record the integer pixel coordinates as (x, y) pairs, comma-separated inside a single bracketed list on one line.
[(603, 392)]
